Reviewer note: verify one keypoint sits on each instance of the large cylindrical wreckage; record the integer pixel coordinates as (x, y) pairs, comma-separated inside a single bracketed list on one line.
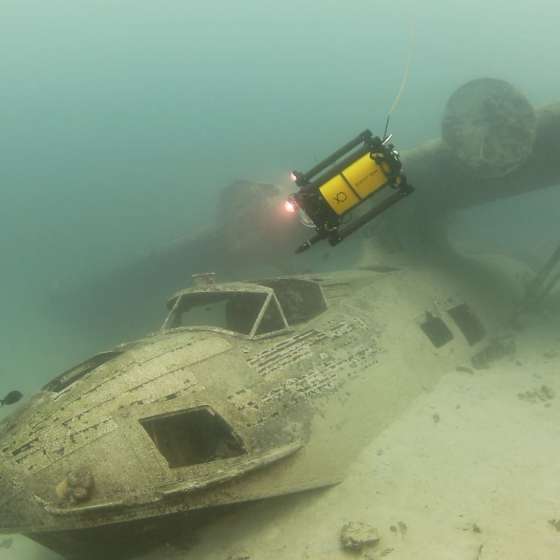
[(494, 145)]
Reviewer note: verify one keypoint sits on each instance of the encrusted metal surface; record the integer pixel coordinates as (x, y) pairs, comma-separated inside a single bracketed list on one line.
[(490, 126), (297, 400)]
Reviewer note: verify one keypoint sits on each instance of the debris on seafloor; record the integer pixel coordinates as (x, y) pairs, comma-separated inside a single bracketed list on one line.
[(401, 528), (357, 535), (555, 524), (543, 394), (76, 487), (6, 543), (496, 349), (241, 555), (479, 552), (472, 527)]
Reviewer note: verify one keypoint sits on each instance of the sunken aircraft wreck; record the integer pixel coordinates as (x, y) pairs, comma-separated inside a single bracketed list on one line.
[(249, 390), (269, 387)]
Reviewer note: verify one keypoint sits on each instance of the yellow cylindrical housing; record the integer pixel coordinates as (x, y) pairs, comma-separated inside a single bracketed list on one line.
[(358, 181)]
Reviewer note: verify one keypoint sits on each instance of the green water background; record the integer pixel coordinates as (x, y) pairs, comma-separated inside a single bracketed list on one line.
[(121, 121)]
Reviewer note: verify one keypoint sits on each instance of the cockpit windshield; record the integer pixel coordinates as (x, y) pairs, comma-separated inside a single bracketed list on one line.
[(240, 312)]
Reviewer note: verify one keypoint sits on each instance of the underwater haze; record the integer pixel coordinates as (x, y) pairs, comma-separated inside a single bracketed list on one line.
[(123, 121)]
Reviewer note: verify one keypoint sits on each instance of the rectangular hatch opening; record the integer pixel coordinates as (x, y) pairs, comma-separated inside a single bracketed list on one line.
[(436, 330), (193, 437), (469, 324)]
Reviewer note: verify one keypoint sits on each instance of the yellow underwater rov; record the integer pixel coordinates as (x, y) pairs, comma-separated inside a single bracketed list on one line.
[(336, 186)]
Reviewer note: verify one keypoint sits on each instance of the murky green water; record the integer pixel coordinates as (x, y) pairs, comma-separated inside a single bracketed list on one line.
[(123, 121)]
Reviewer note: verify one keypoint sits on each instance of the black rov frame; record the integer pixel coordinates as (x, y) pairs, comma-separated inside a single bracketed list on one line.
[(311, 200)]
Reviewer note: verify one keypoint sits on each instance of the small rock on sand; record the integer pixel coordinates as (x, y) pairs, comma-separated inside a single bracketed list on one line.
[(357, 535)]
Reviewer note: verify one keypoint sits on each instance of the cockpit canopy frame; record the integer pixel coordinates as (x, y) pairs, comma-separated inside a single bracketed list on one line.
[(242, 309), (252, 309)]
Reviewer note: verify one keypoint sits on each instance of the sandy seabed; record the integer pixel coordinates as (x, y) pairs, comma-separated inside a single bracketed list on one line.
[(471, 471)]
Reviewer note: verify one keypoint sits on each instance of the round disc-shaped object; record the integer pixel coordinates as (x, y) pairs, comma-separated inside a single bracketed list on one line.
[(490, 127)]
